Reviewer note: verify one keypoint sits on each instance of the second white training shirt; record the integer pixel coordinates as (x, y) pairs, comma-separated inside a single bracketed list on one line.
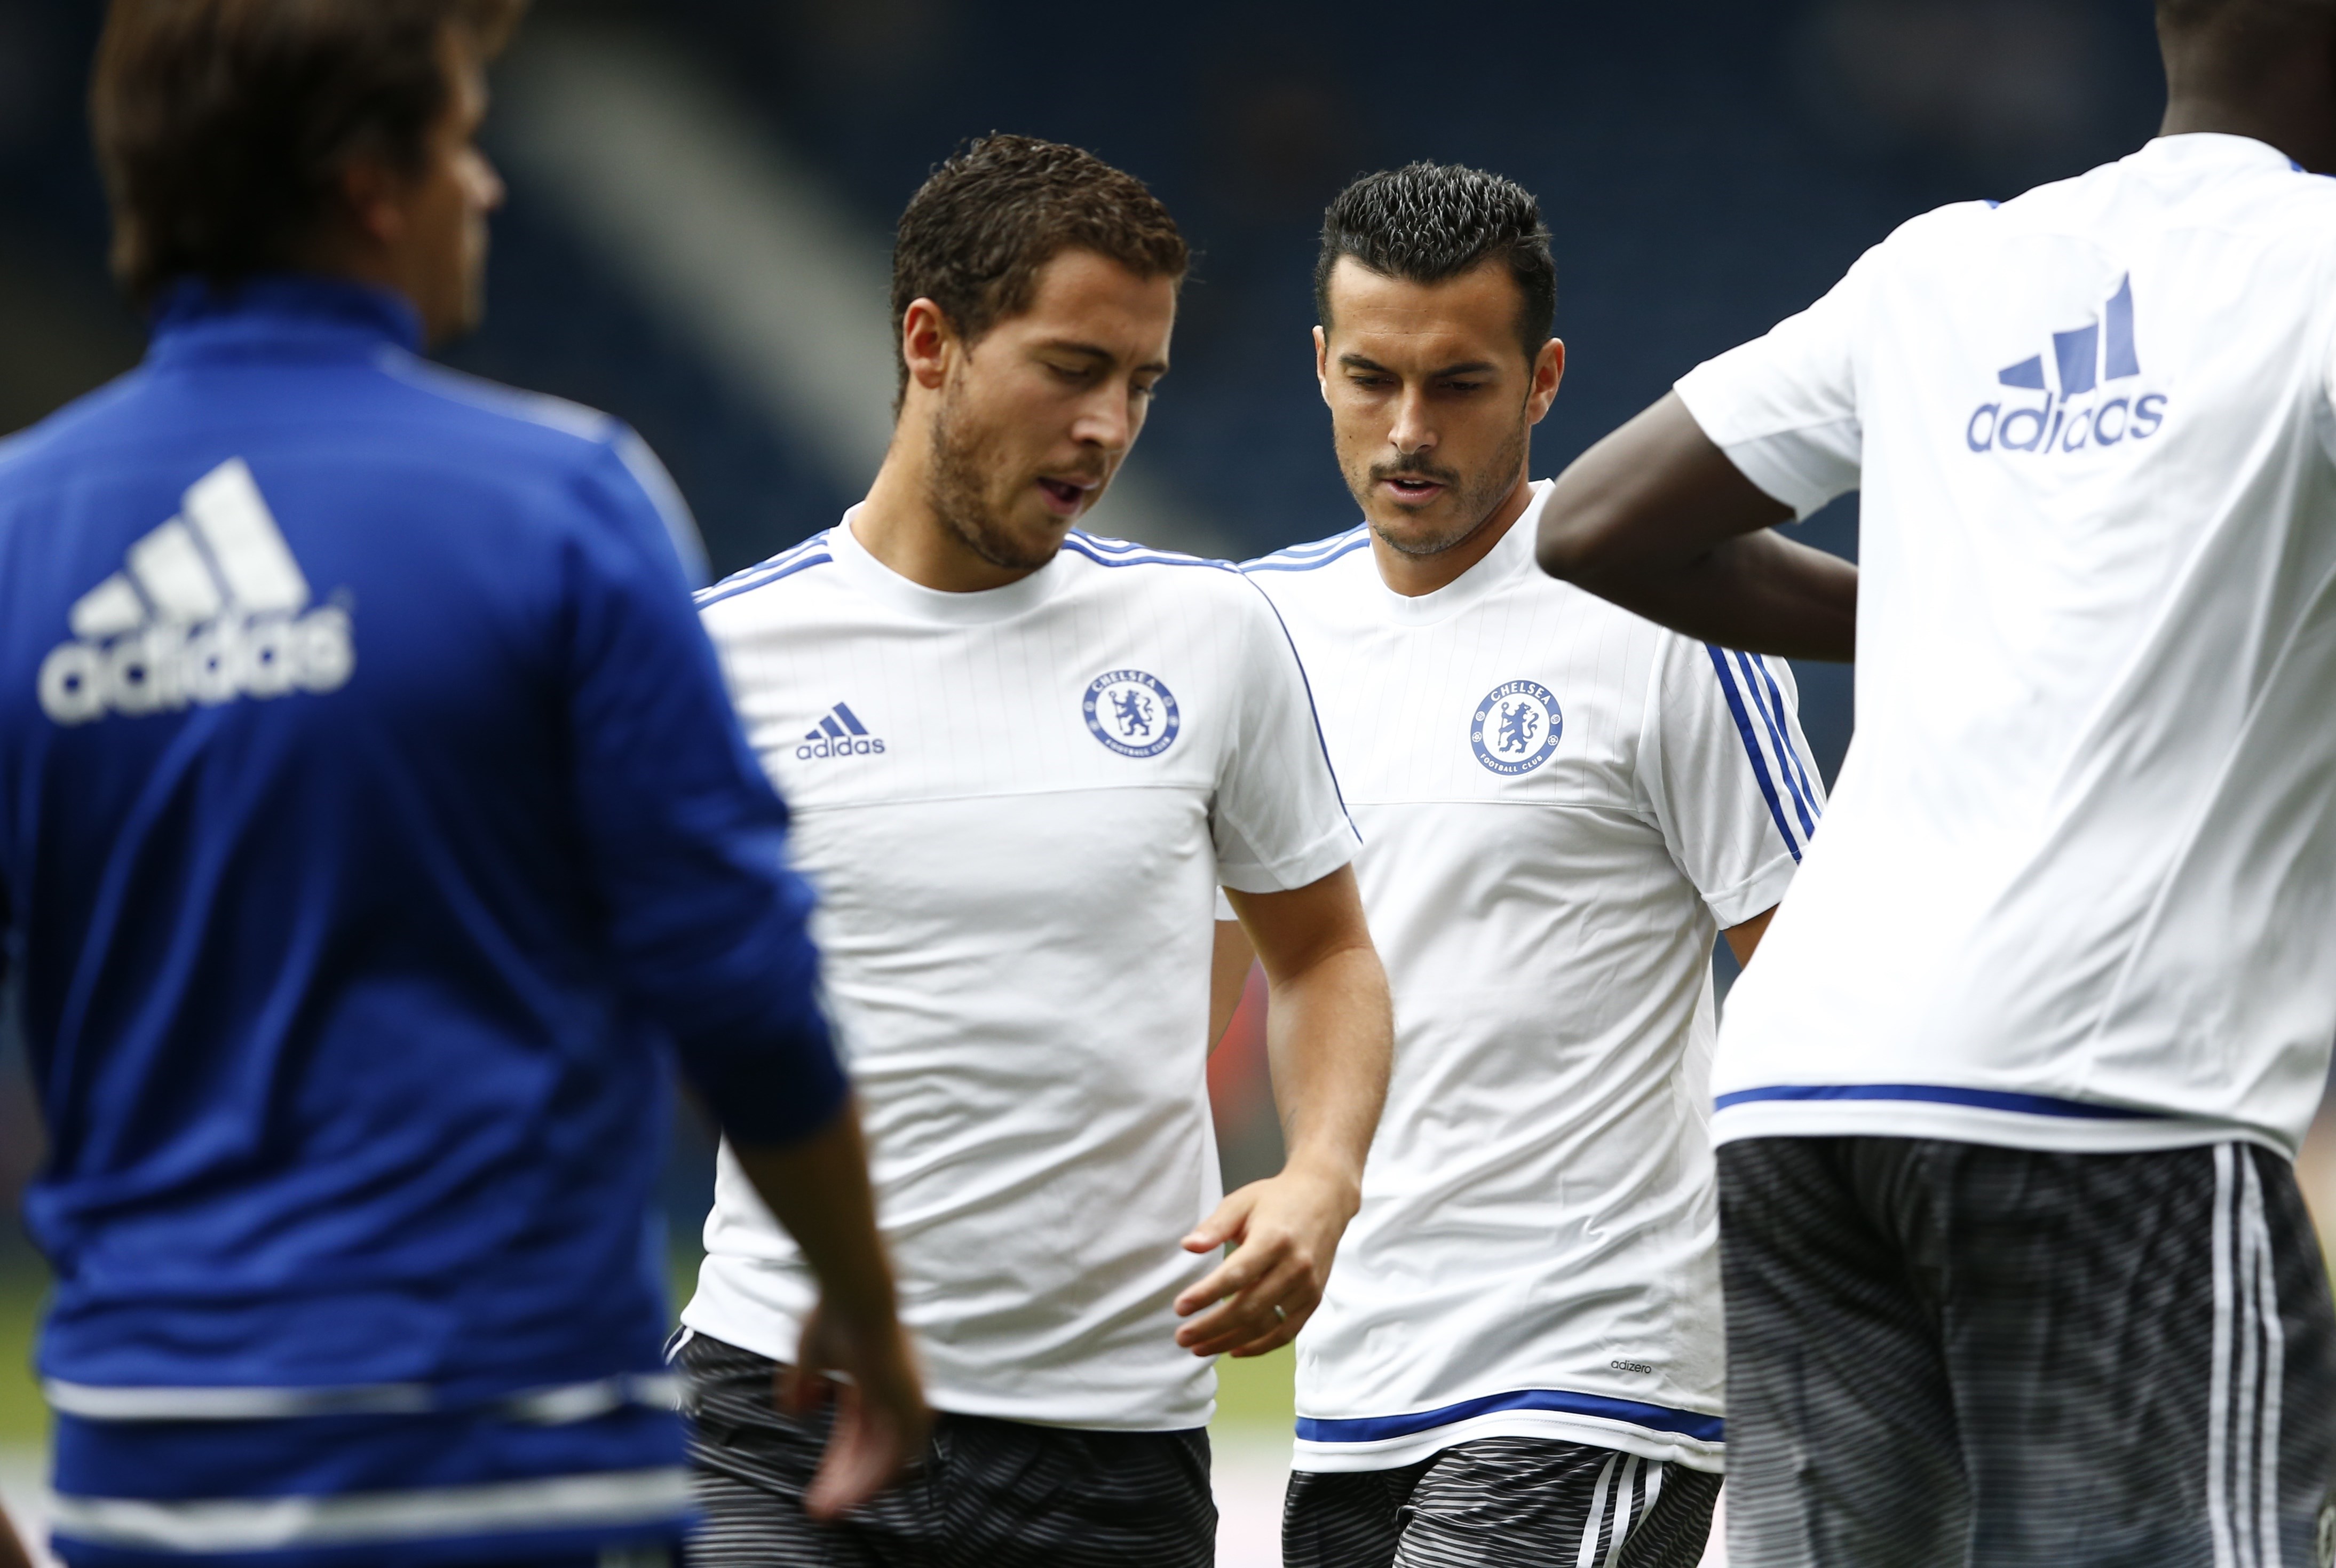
[(2079, 885), (1561, 805), (1016, 806)]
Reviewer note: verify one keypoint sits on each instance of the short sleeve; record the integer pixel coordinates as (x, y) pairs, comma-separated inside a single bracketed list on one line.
[(686, 838), (1784, 407), (1727, 774), (1277, 818)]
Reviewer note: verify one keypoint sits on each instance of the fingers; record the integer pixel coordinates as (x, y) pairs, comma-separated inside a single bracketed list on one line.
[(1265, 1317), (1226, 1225), (865, 1449), (800, 1390), (1255, 1259)]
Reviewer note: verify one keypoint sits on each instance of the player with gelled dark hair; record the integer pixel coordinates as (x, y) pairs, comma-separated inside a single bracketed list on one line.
[(1561, 805)]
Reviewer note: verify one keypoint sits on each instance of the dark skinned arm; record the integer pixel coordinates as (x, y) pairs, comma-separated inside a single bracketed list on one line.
[(1744, 940), (1656, 519), (12, 1553)]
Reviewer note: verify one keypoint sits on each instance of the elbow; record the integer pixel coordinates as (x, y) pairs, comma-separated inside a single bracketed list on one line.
[(1572, 545)]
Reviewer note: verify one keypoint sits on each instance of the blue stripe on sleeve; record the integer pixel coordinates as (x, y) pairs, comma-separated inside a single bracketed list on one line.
[(1794, 758), (1752, 748), (1793, 785)]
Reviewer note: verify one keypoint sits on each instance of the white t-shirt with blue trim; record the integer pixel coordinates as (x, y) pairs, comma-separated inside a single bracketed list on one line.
[(2077, 886), (1560, 805), (1015, 806)]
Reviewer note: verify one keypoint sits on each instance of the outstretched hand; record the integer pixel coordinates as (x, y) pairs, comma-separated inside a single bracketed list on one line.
[(1286, 1231), (881, 1419)]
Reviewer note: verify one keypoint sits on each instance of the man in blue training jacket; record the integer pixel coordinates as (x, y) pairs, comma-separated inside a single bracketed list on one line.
[(372, 815)]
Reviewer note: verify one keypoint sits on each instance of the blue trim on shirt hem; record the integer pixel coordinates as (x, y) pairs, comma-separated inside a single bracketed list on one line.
[(1939, 1094), (1653, 1418)]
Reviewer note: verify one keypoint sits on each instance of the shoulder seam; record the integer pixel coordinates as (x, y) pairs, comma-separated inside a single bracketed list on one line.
[(1328, 551), (538, 410), (811, 553), (1119, 552)]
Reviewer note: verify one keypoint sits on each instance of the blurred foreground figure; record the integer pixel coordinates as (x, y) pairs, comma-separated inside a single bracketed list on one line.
[(1024, 757), (2017, 1269), (1561, 805), (370, 809)]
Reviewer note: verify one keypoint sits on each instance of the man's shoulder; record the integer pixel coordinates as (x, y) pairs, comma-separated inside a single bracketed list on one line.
[(749, 596), (1126, 570), (485, 417), (1298, 566), (88, 424)]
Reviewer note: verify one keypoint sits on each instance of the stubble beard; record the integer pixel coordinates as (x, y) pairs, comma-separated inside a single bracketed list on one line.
[(957, 489), (1475, 497)]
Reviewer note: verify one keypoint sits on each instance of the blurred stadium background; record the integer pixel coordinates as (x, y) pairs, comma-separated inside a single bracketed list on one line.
[(702, 192)]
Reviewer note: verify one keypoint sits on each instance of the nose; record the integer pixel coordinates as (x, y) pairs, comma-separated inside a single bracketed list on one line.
[(1410, 434), (1107, 419), (486, 183)]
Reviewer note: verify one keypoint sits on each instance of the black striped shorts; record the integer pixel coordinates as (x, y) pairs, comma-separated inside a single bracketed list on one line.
[(988, 1494), (1944, 1354), (1502, 1503)]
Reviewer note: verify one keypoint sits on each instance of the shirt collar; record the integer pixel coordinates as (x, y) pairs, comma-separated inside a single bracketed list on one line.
[(1502, 562), (913, 600), (274, 313), (2215, 147)]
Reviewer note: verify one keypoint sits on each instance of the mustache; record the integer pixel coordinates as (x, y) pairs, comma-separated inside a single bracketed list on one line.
[(1415, 468)]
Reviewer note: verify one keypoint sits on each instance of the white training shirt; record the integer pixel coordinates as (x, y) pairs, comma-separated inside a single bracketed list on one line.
[(1015, 806), (1561, 803), (2078, 887)]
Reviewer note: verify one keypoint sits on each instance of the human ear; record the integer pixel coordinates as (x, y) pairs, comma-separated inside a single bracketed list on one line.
[(927, 343), (1548, 370), (373, 199)]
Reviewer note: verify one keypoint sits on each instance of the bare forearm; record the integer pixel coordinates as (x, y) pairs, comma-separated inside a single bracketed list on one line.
[(1658, 520), (1330, 1037), (818, 1189), (1762, 592), (12, 1553)]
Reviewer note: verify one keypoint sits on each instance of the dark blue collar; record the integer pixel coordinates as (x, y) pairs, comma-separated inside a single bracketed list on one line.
[(276, 313)]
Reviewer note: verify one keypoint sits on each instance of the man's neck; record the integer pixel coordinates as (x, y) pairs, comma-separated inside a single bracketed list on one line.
[(1415, 575), (898, 525), (2294, 111)]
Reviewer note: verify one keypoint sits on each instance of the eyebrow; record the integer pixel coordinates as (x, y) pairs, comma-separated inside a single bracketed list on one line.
[(1096, 351), (1467, 368)]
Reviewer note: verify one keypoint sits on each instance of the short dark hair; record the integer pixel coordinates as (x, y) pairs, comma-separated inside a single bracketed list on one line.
[(977, 233), (222, 126), (1426, 222)]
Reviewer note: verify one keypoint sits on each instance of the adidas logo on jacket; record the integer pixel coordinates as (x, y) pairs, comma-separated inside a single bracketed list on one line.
[(208, 608)]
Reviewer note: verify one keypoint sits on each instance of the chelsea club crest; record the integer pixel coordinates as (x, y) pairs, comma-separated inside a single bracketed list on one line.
[(1131, 713), (1516, 727)]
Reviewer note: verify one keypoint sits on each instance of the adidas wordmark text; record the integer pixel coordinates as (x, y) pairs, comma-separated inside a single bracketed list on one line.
[(209, 607)]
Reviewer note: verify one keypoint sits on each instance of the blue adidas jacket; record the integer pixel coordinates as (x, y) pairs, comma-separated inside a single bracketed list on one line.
[(372, 818)]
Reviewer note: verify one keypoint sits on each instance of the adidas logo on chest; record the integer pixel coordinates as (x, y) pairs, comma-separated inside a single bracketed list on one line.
[(209, 607), (839, 733)]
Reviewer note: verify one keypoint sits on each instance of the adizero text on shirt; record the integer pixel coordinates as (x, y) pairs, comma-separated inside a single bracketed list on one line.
[(1016, 805), (2076, 887), (1561, 805)]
